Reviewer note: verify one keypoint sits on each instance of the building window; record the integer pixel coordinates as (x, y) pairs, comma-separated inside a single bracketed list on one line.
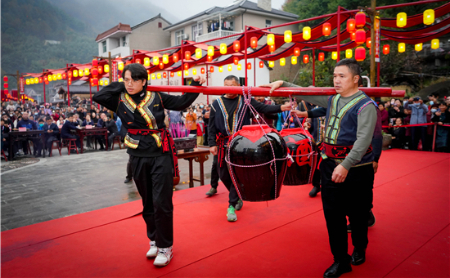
[(268, 23), (124, 41), (178, 37), (104, 46), (159, 24), (197, 30)]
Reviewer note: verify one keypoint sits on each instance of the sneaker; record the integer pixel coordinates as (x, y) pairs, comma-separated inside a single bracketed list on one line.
[(239, 205), (231, 214), (164, 256), (153, 252), (314, 191), (127, 180), (371, 219), (211, 192)]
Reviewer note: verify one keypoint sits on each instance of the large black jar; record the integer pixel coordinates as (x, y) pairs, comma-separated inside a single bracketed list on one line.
[(250, 147), (300, 143)]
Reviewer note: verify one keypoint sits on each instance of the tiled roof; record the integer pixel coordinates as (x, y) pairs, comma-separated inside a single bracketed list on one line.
[(115, 29), (148, 20)]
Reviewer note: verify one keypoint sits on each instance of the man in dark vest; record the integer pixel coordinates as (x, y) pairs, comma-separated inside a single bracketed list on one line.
[(347, 167), (152, 152), (223, 122)]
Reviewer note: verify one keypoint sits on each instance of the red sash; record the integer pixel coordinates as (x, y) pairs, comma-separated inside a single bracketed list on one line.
[(220, 140), (167, 145), (339, 152)]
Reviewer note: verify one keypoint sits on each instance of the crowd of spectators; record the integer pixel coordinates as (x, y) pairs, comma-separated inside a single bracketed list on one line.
[(56, 122)]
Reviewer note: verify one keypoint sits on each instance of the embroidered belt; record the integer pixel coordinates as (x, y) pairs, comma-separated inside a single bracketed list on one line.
[(339, 152), (220, 140), (165, 140)]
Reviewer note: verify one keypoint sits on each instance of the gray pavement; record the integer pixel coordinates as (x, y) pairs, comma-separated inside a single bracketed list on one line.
[(65, 185)]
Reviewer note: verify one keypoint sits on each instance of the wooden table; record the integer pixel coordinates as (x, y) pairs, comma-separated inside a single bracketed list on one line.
[(22, 136), (83, 132), (200, 156)]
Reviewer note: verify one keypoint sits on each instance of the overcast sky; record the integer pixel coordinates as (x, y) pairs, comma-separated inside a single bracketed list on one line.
[(185, 8)]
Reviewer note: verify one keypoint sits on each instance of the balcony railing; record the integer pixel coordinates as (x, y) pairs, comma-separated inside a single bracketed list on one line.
[(215, 35)]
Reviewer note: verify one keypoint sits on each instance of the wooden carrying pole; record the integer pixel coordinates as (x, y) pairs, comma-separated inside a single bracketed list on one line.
[(280, 92)]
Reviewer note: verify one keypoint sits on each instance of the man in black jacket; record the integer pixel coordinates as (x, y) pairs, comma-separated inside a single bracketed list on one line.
[(66, 130), (51, 133), (110, 124), (151, 149)]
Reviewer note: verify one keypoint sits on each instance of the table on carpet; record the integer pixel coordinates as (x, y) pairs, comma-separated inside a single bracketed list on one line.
[(22, 136), (83, 132), (200, 156)]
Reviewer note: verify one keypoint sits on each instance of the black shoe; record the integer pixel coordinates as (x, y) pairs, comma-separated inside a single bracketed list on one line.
[(371, 219), (337, 269), (349, 228), (127, 180), (358, 257), (314, 191)]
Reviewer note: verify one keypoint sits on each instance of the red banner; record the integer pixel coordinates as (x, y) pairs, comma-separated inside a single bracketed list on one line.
[(114, 71), (377, 39), (22, 86)]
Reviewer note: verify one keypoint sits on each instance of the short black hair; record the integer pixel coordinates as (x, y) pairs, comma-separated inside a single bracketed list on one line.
[(352, 66), (108, 116), (70, 115), (436, 95), (138, 72), (48, 118), (232, 77), (40, 120)]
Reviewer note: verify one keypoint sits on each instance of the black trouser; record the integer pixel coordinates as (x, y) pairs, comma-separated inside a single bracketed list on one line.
[(73, 136), (316, 178), (205, 138), (101, 140), (214, 174), (49, 142), (111, 139), (37, 146), (129, 170), (352, 198), (154, 180), (225, 177), (417, 133)]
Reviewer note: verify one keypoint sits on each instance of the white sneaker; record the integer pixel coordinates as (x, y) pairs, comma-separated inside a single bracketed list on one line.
[(164, 256), (153, 252)]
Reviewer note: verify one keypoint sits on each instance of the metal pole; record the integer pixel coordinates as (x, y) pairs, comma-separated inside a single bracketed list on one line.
[(372, 40), (44, 90), (434, 137), (314, 67), (338, 37), (245, 54), (254, 72)]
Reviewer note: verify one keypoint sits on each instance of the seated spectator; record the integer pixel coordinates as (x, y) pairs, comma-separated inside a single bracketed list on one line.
[(102, 124), (88, 121), (47, 110), (60, 122), (66, 130), (56, 115), (51, 133), (398, 134), (442, 117), (110, 124), (40, 124), (76, 120), (30, 125)]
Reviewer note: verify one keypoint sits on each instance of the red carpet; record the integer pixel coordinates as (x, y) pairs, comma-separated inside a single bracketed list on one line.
[(286, 237)]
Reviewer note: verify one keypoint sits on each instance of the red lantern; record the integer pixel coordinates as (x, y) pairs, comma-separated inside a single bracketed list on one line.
[(138, 61), (209, 58), (94, 72), (202, 70), (297, 51), (237, 46), (5, 85), (236, 60), (64, 76), (249, 66), (360, 54), (187, 55), (186, 66), (211, 69), (94, 62), (164, 75), (386, 49), (360, 20), (368, 43), (353, 36), (261, 64), (326, 29), (254, 42), (172, 74), (161, 65), (46, 79), (69, 74), (95, 82), (128, 62), (175, 57), (360, 36), (351, 25), (41, 79), (5, 78), (100, 70), (321, 56), (305, 59), (272, 48)]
